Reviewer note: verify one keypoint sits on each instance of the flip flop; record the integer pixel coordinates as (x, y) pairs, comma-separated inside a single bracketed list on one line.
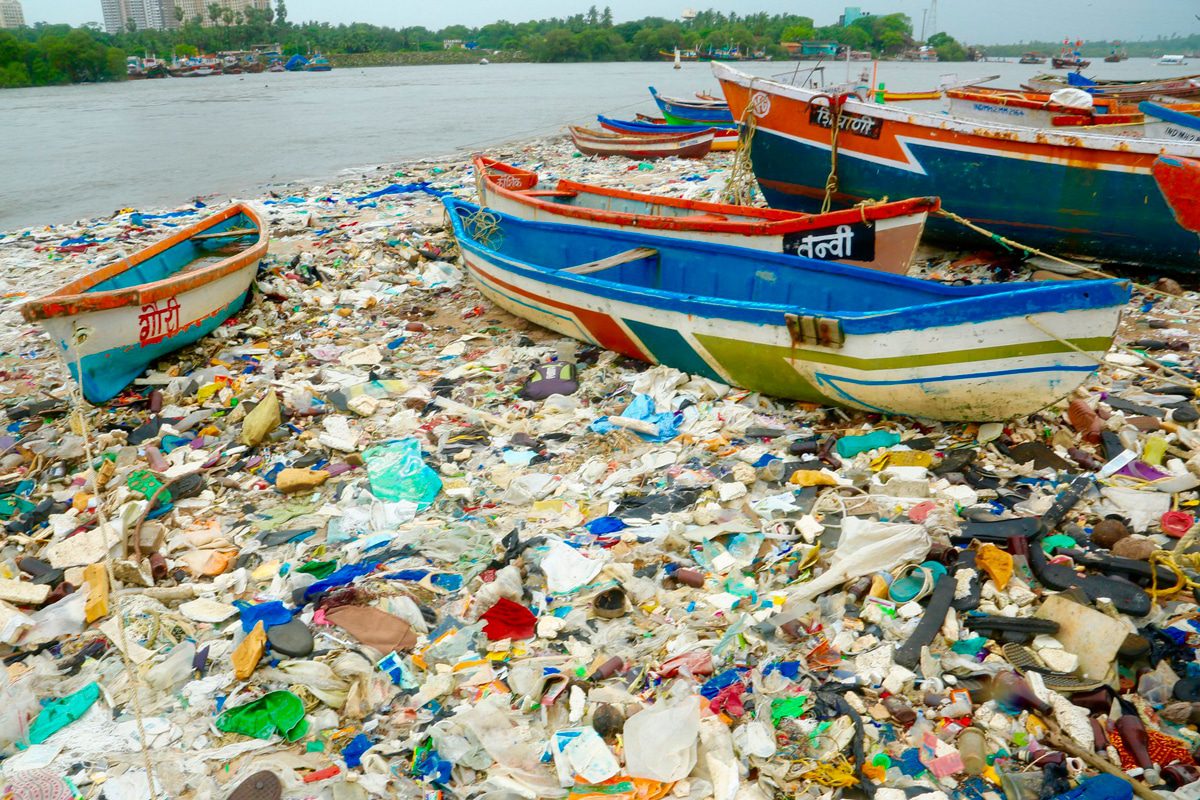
[(966, 560), (908, 655), (1126, 597), (1010, 629), (264, 785), (1026, 660), (915, 583)]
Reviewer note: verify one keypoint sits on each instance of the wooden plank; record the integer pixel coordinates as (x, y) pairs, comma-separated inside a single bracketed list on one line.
[(636, 254), (549, 193), (225, 234)]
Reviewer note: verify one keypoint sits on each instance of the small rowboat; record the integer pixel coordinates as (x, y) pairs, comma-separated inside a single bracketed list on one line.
[(797, 328), (1180, 122), (883, 236), (692, 112), (112, 324), (642, 145), (1179, 181), (1129, 91), (724, 139)]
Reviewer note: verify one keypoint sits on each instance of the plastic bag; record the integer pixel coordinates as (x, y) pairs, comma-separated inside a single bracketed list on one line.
[(397, 472), (661, 741), (867, 546)]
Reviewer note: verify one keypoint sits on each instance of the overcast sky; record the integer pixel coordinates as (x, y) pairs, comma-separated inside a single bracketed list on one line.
[(973, 21)]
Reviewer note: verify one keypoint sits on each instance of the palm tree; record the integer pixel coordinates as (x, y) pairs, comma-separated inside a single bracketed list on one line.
[(214, 13)]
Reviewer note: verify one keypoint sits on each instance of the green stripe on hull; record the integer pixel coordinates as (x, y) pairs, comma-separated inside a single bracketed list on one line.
[(768, 367)]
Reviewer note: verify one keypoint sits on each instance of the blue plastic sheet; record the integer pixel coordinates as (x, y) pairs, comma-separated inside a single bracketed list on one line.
[(642, 408), (269, 614), (420, 187), (602, 525), (341, 577), (353, 752)]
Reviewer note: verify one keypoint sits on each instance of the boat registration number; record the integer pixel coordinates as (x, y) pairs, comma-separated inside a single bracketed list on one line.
[(851, 242)]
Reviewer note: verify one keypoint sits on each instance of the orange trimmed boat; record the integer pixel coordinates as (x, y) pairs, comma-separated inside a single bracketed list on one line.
[(1179, 181), (882, 237), (642, 146), (113, 323)]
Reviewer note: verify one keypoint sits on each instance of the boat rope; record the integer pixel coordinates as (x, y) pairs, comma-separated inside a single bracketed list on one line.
[(836, 103), (739, 189), (1010, 244), (1172, 560), (1176, 377), (484, 227), (863, 205), (79, 421)]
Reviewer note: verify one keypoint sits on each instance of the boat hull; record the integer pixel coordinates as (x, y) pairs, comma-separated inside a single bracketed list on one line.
[(887, 235), (947, 368), (110, 325), (642, 147), (724, 139), (1090, 196), (114, 354), (677, 112), (1179, 181)]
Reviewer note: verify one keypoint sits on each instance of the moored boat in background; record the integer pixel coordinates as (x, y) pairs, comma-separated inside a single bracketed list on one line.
[(1070, 193), (319, 63), (1129, 91), (724, 138), (1032, 58), (883, 236), (793, 327), (113, 323), (641, 145), (691, 112)]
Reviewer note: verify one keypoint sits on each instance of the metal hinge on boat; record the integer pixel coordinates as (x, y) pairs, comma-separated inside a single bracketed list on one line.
[(807, 329)]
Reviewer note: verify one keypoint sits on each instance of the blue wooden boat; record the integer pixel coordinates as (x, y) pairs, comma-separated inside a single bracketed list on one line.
[(319, 63), (794, 327), (725, 137), (1068, 192), (115, 322), (691, 112), (1173, 122)]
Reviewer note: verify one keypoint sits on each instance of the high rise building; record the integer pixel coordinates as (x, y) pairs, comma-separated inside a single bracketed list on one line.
[(143, 14), (199, 8), (11, 14)]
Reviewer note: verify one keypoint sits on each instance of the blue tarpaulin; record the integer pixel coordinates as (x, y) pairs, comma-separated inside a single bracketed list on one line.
[(400, 188)]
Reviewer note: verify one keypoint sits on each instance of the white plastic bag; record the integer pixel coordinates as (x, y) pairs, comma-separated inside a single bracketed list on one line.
[(661, 741)]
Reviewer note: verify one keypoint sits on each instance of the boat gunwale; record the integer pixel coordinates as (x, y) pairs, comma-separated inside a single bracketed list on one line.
[(982, 129), (913, 317), (784, 221), (74, 298)]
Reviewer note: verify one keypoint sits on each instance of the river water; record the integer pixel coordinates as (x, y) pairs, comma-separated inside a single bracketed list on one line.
[(78, 151)]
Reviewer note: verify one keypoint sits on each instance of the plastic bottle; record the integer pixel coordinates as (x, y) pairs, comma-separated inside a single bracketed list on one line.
[(901, 711), (972, 748), (850, 446)]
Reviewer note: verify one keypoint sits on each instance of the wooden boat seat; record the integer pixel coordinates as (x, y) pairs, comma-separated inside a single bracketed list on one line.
[(636, 254), (549, 193)]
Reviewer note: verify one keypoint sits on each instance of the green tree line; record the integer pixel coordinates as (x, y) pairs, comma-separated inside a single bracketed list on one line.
[(56, 54), (1147, 48)]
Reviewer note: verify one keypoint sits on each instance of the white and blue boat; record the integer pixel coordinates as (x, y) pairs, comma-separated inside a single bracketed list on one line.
[(112, 324), (794, 327)]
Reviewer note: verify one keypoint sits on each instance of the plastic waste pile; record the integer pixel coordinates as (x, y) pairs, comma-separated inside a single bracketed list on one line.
[(376, 538)]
